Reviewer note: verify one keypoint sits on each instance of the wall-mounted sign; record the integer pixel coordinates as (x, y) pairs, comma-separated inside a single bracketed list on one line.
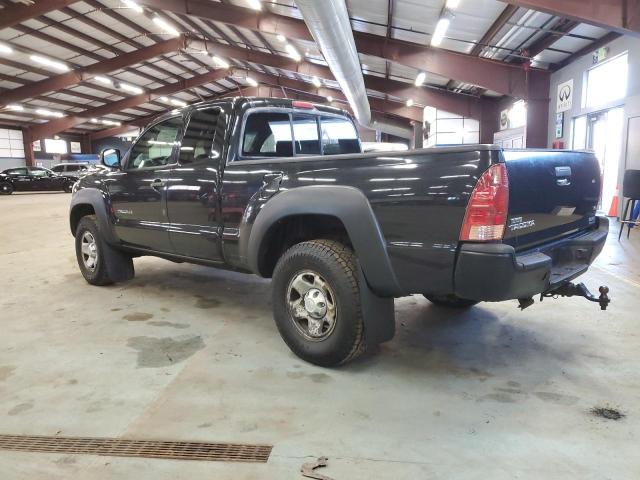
[(36, 146), (600, 55), (76, 147), (564, 99), (559, 125), (504, 119)]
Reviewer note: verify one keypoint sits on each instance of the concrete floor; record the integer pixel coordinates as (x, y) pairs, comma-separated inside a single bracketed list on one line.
[(189, 353)]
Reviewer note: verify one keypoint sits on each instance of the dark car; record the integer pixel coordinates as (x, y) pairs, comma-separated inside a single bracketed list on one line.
[(33, 179), (281, 189)]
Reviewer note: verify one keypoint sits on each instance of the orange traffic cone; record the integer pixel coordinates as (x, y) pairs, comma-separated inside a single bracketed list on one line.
[(613, 211)]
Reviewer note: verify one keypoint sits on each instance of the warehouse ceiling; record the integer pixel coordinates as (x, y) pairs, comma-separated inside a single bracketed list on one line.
[(157, 57)]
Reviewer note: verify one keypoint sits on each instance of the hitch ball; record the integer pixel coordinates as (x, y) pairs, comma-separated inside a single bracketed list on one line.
[(604, 299)]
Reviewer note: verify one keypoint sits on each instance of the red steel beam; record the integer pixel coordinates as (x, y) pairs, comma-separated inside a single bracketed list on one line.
[(622, 16), (492, 75), (53, 127), (18, 13), (455, 103), (65, 80)]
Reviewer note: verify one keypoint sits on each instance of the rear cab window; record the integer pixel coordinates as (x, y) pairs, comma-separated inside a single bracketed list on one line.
[(288, 134)]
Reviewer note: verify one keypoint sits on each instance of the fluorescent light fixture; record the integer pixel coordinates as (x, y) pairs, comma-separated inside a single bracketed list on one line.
[(164, 99), (5, 48), (15, 108), (282, 38), (111, 122), (453, 4), (166, 26), (94, 120), (410, 102), (133, 6), (131, 88), (255, 4), (49, 63), (178, 103), (220, 62), (293, 53), (104, 80), (48, 113), (252, 82), (329, 99), (441, 29), (420, 78), (316, 81)]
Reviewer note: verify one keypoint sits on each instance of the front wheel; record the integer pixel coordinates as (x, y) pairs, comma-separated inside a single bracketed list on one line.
[(450, 301), (316, 302), (100, 264), (6, 188), (68, 187)]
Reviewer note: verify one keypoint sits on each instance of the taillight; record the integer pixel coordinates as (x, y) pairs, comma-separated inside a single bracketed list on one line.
[(488, 207)]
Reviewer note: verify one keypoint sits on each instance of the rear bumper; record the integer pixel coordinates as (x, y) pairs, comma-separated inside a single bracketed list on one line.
[(494, 272)]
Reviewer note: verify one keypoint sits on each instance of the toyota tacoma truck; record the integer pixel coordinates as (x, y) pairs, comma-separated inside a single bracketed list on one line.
[(280, 189)]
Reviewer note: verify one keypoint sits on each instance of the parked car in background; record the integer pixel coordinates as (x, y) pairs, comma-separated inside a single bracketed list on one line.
[(33, 179), (74, 169)]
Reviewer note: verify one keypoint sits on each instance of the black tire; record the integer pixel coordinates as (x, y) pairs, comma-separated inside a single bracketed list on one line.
[(6, 188), (68, 187), (450, 301), (336, 265), (109, 265)]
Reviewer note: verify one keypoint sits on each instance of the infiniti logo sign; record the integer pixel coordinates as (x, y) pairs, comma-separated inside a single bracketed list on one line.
[(565, 93), (564, 98)]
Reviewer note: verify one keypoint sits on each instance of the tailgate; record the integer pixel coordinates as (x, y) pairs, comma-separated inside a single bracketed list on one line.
[(552, 194)]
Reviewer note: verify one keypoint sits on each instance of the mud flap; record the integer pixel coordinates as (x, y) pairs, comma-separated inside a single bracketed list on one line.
[(378, 314)]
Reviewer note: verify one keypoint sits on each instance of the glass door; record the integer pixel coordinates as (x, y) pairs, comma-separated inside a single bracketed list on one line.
[(604, 138)]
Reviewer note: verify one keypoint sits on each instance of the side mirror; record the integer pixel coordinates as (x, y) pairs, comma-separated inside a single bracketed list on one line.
[(110, 158)]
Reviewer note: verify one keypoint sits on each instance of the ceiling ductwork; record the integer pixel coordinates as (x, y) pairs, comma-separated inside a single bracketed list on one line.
[(328, 22)]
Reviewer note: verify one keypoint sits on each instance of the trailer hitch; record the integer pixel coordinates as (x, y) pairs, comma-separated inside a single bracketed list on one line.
[(579, 290)]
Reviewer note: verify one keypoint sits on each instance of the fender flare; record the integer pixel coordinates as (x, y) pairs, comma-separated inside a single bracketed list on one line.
[(97, 199), (352, 208)]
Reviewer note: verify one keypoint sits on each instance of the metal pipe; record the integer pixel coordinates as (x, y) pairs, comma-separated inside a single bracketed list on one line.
[(328, 22)]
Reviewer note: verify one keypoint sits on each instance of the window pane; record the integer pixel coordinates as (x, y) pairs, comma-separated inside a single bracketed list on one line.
[(267, 135), (305, 134), (39, 172), (16, 171), (52, 145), (197, 143), (338, 136), (607, 82), (155, 147)]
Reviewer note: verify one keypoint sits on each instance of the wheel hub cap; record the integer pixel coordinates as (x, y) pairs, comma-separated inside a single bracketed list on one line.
[(312, 305), (89, 250)]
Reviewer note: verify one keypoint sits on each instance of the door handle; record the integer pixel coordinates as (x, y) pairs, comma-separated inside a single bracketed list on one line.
[(157, 183), (271, 184)]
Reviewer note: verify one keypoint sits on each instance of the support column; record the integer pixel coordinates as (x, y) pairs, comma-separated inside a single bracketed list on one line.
[(85, 144), (538, 99), (489, 120), (418, 135), (27, 142)]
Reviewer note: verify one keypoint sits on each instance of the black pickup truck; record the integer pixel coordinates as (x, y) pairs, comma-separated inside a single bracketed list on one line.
[(280, 188)]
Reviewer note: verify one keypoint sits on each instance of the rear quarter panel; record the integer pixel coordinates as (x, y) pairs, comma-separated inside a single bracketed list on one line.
[(419, 199)]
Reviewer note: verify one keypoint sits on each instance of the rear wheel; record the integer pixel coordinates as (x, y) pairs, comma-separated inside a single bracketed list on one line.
[(6, 188), (68, 187), (316, 302), (99, 263), (450, 301)]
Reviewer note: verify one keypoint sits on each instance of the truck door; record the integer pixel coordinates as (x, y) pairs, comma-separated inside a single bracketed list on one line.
[(138, 191), (193, 191)]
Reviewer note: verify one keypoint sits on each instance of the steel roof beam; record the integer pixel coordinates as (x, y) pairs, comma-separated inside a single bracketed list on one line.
[(622, 16), (493, 75), (65, 80), (56, 126), (17, 13)]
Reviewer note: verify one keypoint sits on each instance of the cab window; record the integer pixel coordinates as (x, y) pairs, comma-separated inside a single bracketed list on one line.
[(267, 134), (39, 172), (338, 136), (155, 147), (198, 141), (305, 135)]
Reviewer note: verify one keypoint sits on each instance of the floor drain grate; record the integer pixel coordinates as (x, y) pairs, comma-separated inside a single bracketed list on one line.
[(116, 447)]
